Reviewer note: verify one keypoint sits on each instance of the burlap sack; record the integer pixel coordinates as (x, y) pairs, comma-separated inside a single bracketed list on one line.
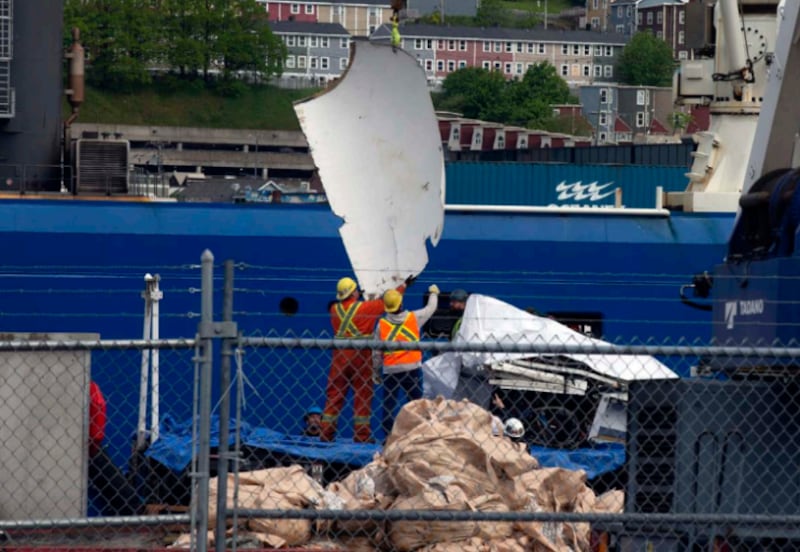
[(612, 502), (411, 534), (281, 532)]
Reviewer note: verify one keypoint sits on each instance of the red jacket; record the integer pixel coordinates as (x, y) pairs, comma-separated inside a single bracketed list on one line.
[(366, 316), (97, 418)]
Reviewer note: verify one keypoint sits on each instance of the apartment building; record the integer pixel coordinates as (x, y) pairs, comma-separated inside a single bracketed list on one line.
[(622, 17), (597, 15), (666, 19), (622, 113), (358, 17), (580, 57), (317, 52)]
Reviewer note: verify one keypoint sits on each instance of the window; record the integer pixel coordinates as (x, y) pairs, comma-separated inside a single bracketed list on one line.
[(628, 11), (542, 48), (301, 41), (638, 18), (531, 47), (598, 50), (681, 17), (312, 62), (620, 29), (324, 42), (594, 4), (602, 118), (595, 22), (324, 63), (294, 8), (603, 137), (649, 18), (343, 63), (291, 40), (290, 62), (440, 65), (498, 47), (497, 66), (659, 18), (462, 45), (418, 44), (576, 49), (338, 14), (640, 97), (343, 43), (301, 62), (520, 47), (372, 30), (587, 70), (462, 64), (509, 46), (487, 46), (603, 95), (660, 34), (429, 44), (519, 68), (451, 65), (680, 37), (429, 65), (440, 44), (683, 54), (619, 11), (609, 51), (640, 118), (508, 68), (565, 49), (564, 70), (587, 50), (309, 8), (608, 71), (487, 65), (451, 45), (313, 42), (598, 70)]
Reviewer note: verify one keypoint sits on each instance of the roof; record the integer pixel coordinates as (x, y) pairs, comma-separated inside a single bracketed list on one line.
[(621, 126), (382, 3), (644, 4), (308, 27), (657, 128), (501, 33)]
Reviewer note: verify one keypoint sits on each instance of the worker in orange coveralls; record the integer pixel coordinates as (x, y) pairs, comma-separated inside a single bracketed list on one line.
[(352, 319)]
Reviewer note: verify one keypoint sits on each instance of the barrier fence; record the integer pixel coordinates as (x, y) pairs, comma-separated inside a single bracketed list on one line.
[(534, 438)]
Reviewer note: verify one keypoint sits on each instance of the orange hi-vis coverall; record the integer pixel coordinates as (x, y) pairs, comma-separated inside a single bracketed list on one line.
[(351, 319)]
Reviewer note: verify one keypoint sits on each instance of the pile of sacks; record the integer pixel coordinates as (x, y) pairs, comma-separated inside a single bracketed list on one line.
[(441, 455)]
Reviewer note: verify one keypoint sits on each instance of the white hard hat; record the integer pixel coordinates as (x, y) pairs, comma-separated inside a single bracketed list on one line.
[(513, 428)]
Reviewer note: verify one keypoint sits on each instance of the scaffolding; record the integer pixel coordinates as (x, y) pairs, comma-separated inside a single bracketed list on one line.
[(6, 54)]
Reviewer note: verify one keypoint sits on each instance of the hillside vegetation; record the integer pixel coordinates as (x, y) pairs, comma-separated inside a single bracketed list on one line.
[(257, 107)]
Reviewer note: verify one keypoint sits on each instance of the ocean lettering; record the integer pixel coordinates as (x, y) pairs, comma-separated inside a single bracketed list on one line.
[(579, 192)]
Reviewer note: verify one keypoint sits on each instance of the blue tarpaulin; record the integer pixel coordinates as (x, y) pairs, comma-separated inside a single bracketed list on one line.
[(173, 449)]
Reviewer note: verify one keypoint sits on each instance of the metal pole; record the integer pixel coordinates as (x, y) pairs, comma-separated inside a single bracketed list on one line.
[(224, 412), (155, 391), (204, 433), (145, 366)]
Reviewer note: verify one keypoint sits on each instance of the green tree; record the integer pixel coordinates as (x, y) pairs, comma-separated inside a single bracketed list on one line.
[(476, 93), (646, 60), (246, 43), (532, 98)]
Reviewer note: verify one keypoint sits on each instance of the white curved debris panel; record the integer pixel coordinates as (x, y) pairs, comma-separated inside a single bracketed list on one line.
[(375, 139)]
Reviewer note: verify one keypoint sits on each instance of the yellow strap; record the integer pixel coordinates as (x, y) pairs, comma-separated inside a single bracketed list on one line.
[(347, 328)]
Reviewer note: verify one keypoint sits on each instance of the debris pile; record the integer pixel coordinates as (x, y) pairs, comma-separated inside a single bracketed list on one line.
[(442, 455)]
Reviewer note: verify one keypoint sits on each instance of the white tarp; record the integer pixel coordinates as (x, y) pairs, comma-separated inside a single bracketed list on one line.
[(375, 139), (489, 320)]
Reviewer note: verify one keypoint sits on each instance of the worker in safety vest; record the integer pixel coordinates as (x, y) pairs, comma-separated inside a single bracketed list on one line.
[(352, 319), (402, 369)]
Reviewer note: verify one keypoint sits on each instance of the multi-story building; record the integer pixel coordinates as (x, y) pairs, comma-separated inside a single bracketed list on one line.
[(580, 57), (597, 14), (666, 19), (621, 113), (622, 17), (317, 52), (358, 17)]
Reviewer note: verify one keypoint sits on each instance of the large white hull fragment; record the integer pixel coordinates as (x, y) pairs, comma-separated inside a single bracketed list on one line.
[(375, 139)]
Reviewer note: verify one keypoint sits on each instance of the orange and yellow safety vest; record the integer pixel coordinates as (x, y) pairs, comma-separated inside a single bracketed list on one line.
[(406, 331)]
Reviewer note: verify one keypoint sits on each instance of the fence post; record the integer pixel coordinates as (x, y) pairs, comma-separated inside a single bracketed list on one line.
[(204, 393), (224, 413)]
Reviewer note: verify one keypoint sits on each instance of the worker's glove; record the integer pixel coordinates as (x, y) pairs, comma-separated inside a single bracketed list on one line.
[(433, 289), (376, 378), (410, 280)]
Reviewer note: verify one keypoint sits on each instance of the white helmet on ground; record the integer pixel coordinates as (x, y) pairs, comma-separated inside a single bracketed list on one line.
[(513, 428)]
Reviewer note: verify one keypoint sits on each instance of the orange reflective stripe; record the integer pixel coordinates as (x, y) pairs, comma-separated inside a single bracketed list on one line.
[(347, 327)]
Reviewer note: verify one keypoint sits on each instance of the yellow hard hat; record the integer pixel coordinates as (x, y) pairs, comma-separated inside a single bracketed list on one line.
[(345, 288), (392, 300)]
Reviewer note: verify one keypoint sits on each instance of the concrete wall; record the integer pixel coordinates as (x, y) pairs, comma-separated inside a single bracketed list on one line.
[(44, 430)]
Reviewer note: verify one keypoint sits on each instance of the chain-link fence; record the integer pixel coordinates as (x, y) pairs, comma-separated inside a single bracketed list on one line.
[(518, 433)]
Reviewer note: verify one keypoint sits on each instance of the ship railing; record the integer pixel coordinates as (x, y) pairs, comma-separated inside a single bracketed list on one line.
[(22, 179)]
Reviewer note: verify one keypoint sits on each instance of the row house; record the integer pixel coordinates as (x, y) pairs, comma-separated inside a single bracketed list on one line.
[(316, 52), (666, 19), (580, 57), (622, 17), (358, 17), (624, 114), (597, 15)]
